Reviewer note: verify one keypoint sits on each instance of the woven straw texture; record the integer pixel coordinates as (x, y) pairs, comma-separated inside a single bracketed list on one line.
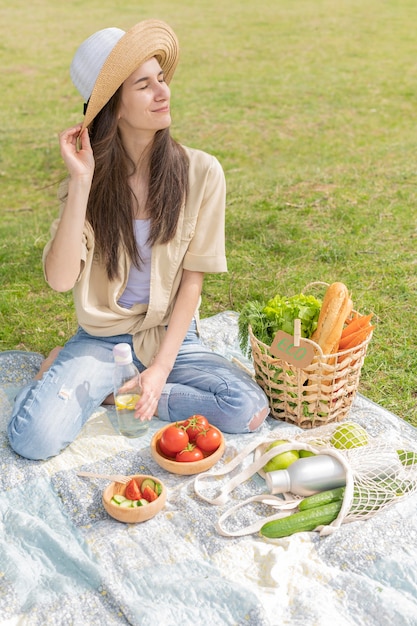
[(322, 392)]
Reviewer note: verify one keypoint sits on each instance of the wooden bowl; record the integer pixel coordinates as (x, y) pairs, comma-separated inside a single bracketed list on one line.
[(137, 514), (193, 467)]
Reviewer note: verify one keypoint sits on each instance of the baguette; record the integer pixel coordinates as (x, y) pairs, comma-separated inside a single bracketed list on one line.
[(336, 307)]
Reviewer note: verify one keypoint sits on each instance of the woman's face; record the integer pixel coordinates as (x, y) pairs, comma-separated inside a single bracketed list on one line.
[(144, 102)]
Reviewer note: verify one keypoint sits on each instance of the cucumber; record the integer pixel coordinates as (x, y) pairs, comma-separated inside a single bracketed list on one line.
[(319, 499), (118, 498), (158, 489), (147, 482), (302, 521), (127, 503)]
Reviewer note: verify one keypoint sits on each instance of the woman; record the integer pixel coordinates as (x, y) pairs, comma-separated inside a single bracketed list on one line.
[(141, 222)]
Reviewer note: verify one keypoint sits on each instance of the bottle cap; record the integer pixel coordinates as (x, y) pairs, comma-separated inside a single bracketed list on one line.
[(278, 481), (122, 354)]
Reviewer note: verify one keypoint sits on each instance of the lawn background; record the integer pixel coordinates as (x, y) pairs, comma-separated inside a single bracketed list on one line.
[(310, 105)]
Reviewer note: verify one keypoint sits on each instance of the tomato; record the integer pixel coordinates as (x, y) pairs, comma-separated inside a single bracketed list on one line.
[(132, 490), (149, 494), (208, 440), (165, 451), (194, 425), (173, 439), (189, 454)]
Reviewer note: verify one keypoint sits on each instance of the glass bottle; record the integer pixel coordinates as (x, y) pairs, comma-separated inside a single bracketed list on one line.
[(307, 476), (127, 391)]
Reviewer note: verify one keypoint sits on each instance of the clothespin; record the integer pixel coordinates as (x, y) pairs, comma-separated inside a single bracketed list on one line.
[(297, 332)]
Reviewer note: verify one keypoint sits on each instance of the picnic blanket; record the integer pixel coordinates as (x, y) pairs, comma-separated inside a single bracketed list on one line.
[(64, 561)]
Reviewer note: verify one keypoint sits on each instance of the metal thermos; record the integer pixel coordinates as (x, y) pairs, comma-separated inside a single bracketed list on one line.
[(307, 476)]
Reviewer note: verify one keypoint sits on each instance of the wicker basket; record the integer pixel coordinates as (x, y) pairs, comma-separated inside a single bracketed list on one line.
[(322, 392)]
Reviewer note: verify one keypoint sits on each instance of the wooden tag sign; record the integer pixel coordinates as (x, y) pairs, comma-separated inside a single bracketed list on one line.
[(283, 347)]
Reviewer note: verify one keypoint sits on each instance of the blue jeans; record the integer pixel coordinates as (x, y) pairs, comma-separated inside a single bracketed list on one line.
[(49, 413)]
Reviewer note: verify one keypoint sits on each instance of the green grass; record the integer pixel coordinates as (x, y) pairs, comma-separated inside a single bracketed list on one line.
[(311, 109)]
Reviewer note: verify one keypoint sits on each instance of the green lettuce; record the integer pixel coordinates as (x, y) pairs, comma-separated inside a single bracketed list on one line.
[(281, 313), (277, 314)]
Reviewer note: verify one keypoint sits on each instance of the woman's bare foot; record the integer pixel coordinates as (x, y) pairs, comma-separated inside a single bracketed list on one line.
[(46, 364)]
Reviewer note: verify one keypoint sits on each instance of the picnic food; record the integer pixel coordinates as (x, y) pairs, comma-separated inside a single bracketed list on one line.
[(327, 323), (316, 510), (308, 383), (189, 454), (138, 494), (407, 457), (191, 459), (281, 461), (174, 439), (349, 435), (302, 521), (194, 425), (153, 495), (208, 440), (277, 314), (336, 307), (356, 331), (188, 441), (133, 491), (321, 498)]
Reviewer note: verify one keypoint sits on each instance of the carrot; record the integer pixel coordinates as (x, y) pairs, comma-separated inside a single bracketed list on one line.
[(356, 324), (354, 339)]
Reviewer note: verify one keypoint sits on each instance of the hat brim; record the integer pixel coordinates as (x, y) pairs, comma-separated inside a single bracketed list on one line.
[(150, 38)]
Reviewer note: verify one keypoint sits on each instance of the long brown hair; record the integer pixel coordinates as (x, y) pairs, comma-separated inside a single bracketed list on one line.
[(111, 202)]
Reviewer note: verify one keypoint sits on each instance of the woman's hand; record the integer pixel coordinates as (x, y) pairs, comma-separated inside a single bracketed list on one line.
[(76, 152), (63, 260), (153, 380), (155, 377)]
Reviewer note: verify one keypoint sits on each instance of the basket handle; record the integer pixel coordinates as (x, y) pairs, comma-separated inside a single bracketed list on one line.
[(316, 346)]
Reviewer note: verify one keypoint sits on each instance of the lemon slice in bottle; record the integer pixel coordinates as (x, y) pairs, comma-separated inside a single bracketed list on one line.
[(126, 401)]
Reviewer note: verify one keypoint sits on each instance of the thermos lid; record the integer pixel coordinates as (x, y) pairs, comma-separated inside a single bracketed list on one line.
[(278, 481), (122, 354)]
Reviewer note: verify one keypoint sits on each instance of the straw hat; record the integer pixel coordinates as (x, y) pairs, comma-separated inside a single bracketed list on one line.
[(107, 58)]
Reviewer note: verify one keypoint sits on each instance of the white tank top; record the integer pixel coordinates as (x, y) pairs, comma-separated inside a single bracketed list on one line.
[(138, 282)]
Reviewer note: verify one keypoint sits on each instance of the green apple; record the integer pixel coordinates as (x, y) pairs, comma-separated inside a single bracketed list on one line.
[(281, 461), (407, 458), (349, 435), (306, 453)]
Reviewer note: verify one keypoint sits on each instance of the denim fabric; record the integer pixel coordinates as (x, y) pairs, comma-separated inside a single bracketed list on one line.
[(48, 414)]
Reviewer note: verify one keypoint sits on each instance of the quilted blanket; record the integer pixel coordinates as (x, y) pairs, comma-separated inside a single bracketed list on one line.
[(64, 561)]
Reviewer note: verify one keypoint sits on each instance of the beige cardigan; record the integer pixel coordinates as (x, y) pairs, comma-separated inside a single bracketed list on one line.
[(198, 245)]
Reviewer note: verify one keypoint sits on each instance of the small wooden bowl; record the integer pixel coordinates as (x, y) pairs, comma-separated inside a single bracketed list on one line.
[(137, 514), (193, 467)]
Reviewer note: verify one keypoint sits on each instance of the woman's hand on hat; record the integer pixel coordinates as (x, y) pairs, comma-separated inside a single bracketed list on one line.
[(77, 152)]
